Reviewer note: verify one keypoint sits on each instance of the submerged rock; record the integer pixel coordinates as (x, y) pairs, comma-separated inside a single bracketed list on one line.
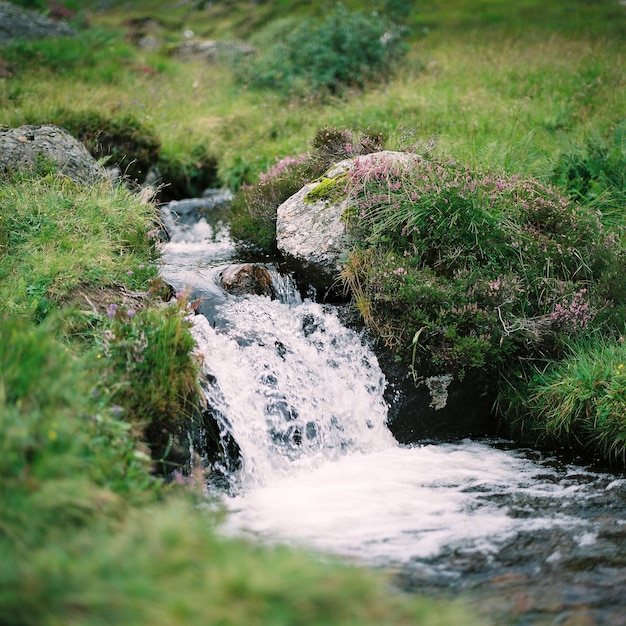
[(247, 278)]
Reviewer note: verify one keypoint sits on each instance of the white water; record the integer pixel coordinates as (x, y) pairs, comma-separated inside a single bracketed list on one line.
[(303, 398), (348, 488)]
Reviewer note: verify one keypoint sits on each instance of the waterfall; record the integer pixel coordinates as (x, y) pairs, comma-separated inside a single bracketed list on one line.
[(295, 386)]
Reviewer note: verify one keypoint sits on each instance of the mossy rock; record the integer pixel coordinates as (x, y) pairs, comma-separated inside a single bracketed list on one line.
[(328, 189), (122, 141)]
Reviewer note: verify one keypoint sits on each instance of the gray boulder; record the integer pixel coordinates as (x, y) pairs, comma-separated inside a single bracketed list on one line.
[(310, 230), (18, 23), (212, 50), (25, 147)]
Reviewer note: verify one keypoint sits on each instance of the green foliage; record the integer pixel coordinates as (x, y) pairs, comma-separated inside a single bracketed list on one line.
[(596, 174), (398, 11), (57, 236), (150, 369), (580, 401), (253, 210), (486, 267), (342, 50), (62, 453)]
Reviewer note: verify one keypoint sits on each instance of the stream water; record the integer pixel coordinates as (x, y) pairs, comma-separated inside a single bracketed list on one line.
[(527, 538)]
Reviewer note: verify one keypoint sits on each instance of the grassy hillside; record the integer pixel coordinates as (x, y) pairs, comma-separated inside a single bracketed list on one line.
[(499, 86)]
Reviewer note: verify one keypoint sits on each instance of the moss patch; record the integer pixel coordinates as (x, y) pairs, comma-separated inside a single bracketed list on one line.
[(331, 190)]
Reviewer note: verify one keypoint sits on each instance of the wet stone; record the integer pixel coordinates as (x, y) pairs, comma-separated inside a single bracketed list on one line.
[(248, 279)]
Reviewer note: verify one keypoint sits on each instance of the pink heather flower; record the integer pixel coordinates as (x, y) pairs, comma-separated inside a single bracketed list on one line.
[(130, 312), (111, 310), (281, 166), (130, 272), (576, 313)]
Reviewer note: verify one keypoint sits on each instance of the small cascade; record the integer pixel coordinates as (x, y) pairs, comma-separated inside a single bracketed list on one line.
[(293, 386)]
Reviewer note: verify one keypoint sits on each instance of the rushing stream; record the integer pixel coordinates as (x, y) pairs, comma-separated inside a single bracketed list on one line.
[(531, 539)]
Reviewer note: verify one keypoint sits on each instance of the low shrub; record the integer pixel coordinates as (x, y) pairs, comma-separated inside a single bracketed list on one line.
[(252, 219), (595, 174), (342, 50), (458, 268)]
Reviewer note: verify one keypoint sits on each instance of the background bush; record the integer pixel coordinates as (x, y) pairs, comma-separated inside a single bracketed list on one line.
[(341, 50)]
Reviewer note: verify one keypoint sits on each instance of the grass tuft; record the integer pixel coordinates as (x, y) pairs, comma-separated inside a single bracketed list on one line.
[(57, 236), (578, 401)]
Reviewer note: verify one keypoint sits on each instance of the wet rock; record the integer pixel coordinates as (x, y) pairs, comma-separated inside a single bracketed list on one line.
[(436, 407), (18, 23), (248, 278), (28, 147)]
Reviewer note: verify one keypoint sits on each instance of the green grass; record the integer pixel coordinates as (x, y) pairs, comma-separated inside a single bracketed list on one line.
[(579, 401), (57, 236)]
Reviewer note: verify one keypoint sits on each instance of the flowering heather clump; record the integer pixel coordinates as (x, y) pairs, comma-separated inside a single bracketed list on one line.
[(488, 265), (575, 313), (282, 167)]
